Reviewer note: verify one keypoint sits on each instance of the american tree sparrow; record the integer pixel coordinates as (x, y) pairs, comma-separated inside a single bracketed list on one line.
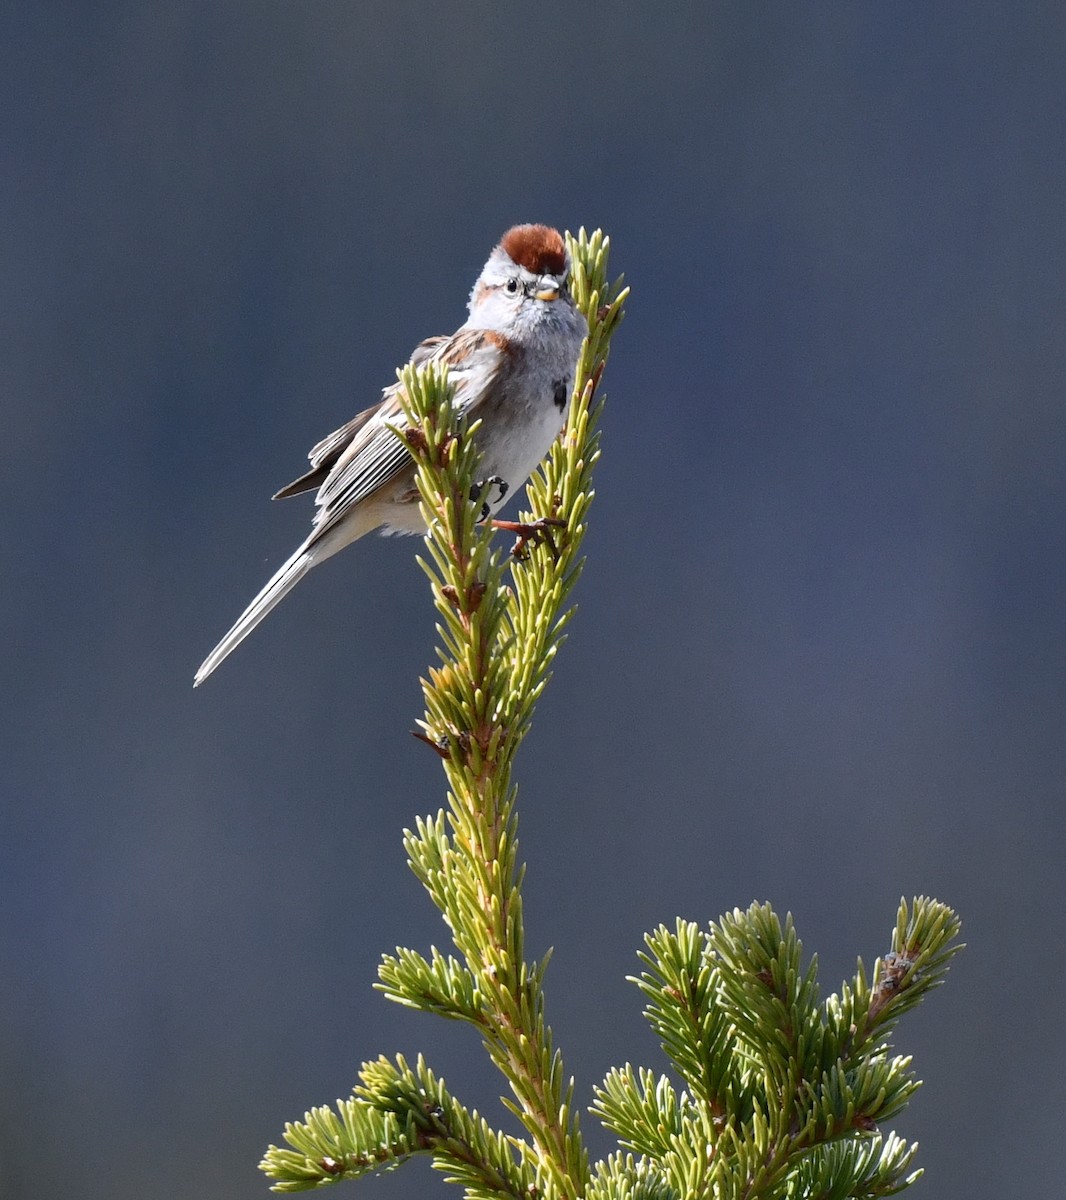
[(512, 365)]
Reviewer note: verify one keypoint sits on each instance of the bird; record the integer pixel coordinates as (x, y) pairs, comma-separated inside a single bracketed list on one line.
[(512, 365)]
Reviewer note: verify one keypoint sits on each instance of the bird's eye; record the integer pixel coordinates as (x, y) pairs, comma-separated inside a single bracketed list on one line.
[(512, 286)]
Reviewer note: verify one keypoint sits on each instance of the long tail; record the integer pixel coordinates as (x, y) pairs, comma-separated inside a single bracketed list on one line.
[(287, 577)]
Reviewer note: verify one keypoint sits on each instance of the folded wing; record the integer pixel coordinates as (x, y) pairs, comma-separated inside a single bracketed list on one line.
[(370, 456)]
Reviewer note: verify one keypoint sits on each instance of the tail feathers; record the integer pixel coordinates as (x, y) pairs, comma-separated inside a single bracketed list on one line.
[(287, 577)]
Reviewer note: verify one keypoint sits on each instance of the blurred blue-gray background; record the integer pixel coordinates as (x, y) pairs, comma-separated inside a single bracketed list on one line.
[(820, 656)]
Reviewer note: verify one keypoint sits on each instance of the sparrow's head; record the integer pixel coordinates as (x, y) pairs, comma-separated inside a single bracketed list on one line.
[(524, 283)]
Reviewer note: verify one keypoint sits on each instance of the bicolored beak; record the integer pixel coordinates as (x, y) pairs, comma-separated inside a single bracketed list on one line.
[(548, 288)]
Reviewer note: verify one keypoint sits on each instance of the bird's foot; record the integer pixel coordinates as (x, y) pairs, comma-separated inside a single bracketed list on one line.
[(477, 490), (532, 533)]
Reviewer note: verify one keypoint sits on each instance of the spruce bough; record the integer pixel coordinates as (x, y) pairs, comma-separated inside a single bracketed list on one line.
[(783, 1092)]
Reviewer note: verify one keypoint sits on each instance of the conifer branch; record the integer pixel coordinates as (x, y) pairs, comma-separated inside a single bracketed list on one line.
[(500, 625), (784, 1092)]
